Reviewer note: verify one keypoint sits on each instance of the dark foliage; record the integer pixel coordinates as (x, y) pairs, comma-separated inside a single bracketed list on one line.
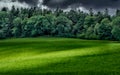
[(34, 22)]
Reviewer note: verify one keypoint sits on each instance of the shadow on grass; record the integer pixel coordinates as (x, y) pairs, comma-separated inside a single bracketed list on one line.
[(66, 73)]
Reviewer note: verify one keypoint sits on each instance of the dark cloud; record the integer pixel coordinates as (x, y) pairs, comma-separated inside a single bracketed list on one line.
[(66, 3), (84, 3), (30, 2)]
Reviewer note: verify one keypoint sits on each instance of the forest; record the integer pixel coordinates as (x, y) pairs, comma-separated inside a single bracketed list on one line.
[(35, 22)]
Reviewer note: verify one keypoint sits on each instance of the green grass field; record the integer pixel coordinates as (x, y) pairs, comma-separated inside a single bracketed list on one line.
[(59, 56)]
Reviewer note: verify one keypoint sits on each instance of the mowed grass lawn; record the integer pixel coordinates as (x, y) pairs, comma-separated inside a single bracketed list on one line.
[(59, 56)]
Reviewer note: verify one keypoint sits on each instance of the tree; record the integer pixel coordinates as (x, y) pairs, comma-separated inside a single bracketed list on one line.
[(116, 32), (44, 24), (91, 12), (116, 28), (33, 22), (73, 16), (103, 30), (90, 34), (99, 16), (106, 14), (38, 28), (4, 27), (2, 36), (29, 26), (78, 27), (63, 26), (4, 9), (17, 29), (89, 21), (117, 12), (50, 24)]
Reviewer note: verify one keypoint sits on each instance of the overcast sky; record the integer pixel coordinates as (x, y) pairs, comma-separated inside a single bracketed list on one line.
[(64, 4)]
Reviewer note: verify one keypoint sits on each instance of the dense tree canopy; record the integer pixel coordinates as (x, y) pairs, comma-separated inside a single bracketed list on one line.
[(34, 22)]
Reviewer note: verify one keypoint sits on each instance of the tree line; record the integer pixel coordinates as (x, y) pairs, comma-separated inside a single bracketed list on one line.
[(35, 22)]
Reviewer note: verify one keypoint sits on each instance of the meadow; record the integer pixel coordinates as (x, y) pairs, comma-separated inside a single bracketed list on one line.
[(59, 56)]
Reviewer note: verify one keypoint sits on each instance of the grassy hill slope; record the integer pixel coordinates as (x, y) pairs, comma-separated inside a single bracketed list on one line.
[(59, 56)]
